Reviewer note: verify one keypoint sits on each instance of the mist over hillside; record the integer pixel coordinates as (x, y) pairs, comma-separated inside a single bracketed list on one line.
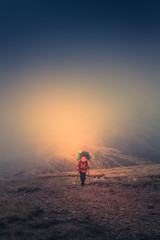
[(45, 163), (50, 139), (143, 142), (127, 150)]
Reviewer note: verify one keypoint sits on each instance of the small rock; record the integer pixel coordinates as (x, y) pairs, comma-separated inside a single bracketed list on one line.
[(60, 230), (150, 206)]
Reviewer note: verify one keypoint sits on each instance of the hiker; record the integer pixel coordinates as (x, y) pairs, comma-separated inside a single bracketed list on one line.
[(82, 165)]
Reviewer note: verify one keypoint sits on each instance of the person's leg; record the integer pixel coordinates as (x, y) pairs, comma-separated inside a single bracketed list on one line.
[(81, 176), (84, 177)]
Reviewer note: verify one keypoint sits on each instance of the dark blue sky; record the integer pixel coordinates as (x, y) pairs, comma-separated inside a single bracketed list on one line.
[(27, 17), (62, 29)]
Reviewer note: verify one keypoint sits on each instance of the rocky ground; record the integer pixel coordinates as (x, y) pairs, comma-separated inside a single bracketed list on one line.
[(52, 207)]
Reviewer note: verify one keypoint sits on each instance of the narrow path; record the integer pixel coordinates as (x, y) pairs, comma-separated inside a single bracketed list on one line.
[(128, 213), (101, 212)]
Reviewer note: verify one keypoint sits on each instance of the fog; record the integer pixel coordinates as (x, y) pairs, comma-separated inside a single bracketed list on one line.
[(54, 112)]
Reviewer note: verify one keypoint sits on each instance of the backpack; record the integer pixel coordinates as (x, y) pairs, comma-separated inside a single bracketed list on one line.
[(84, 154)]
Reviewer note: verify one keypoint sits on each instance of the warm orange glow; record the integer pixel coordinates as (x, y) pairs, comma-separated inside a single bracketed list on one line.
[(62, 112)]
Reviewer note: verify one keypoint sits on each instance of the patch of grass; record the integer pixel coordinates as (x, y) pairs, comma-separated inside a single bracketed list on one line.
[(66, 181), (2, 223), (127, 180), (18, 231), (23, 186), (13, 211), (80, 231), (43, 223), (144, 181), (134, 176)]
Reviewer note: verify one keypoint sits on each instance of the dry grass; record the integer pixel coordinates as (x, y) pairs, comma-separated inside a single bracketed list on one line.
[(79, 230), (17, 211), (23, 186), (146, 175)]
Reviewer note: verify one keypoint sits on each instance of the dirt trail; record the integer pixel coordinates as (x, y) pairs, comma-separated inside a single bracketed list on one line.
[(125, 212), (95, 211)]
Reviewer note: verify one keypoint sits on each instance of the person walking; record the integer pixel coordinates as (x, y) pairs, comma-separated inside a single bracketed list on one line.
[(82, 165)]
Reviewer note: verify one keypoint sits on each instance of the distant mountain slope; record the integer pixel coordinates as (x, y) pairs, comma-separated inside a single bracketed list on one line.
[(110, 157), (102, 157), (48, 160)]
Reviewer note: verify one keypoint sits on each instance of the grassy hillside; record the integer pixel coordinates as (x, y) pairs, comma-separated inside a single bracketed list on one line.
[(143, 175)]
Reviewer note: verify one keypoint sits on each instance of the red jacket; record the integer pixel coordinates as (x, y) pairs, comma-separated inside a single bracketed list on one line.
[(83, 164)]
